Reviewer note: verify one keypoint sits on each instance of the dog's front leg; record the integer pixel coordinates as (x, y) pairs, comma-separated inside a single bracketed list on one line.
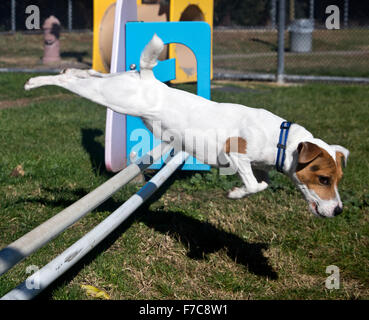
[(242, 164)]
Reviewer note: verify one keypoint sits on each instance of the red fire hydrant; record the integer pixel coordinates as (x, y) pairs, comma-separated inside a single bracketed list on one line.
[(51, 28)]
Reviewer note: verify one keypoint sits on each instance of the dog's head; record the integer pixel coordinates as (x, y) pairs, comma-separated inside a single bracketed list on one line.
[(318, 173)]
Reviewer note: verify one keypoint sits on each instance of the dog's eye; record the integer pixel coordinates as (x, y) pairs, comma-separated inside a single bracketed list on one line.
[(324, 180)]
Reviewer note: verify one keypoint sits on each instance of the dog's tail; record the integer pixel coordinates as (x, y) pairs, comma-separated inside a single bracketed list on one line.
[(150, 54)]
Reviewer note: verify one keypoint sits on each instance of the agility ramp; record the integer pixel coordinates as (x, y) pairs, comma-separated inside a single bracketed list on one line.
[(41, 235)]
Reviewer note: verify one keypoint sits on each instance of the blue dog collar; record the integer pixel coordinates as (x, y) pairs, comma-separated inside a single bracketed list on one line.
[(282, 144)]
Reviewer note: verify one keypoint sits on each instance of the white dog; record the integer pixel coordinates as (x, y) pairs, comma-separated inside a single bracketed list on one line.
[(245, 138)]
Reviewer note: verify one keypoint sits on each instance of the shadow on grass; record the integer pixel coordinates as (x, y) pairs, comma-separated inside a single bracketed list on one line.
[(95, 150), (271, 45), (73, 196), (202, 238), (199, 237), (78, 55)]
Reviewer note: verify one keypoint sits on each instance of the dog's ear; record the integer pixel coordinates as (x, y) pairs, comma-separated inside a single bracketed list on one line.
[(308, 152), (341, 153)]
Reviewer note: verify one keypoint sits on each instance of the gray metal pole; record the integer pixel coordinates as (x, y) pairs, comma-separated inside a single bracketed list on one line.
[(44, 233), (56, 267), (70, 15), (12, 16), (281, 25), (311, 10), (287, 77), (345, 13)]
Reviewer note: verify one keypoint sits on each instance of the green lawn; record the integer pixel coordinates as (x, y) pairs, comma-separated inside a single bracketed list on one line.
[(334, 52), (26, 50), (301, 64), (189, 241), (251, 41)]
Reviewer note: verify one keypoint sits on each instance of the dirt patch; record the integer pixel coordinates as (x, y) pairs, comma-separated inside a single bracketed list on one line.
[(23, 102), (31, 62), (20, 60)]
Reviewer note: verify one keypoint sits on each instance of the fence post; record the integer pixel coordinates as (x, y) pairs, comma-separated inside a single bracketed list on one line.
[(311, 10), (12, 16), (345, 13), (70, 15), (281, 24)]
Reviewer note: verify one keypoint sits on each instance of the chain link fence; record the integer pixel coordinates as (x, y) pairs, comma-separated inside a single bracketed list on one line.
[(245, 36), (311, 48)]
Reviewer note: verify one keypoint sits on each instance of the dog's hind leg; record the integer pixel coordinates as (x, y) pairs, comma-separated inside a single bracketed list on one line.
[(85, 74), (81, 84), (88, 87), (37, 82), (91, 88)]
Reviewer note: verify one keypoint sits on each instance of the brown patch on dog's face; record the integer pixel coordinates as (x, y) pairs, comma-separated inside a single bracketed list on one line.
[(339, 158), (318, 171), (235, 144)]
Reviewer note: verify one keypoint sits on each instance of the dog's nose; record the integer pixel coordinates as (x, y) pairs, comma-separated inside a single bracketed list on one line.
[(337, 210)]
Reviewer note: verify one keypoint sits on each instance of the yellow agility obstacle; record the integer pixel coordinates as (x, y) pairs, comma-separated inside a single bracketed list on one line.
[(189, 10), (147, 11), (103, 28)]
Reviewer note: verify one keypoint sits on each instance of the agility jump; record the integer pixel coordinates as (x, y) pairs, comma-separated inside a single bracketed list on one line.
[(44, 233), (246, 138), (50, 229), (55, 268)]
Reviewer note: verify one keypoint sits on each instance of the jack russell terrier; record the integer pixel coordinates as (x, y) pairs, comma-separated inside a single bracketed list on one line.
[(245, 138)]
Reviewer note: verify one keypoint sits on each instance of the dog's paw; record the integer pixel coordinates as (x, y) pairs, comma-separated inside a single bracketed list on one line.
[(29, 84), (237, 193), (262, 186)]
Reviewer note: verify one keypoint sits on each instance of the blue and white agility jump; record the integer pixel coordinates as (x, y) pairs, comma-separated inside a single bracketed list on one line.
[(125, 52), (55, 268)]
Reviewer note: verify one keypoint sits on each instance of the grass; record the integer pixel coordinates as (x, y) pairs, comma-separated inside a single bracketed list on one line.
[(249, 41), (189, 241), (335, 52), (26, 50), (301, 64)]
